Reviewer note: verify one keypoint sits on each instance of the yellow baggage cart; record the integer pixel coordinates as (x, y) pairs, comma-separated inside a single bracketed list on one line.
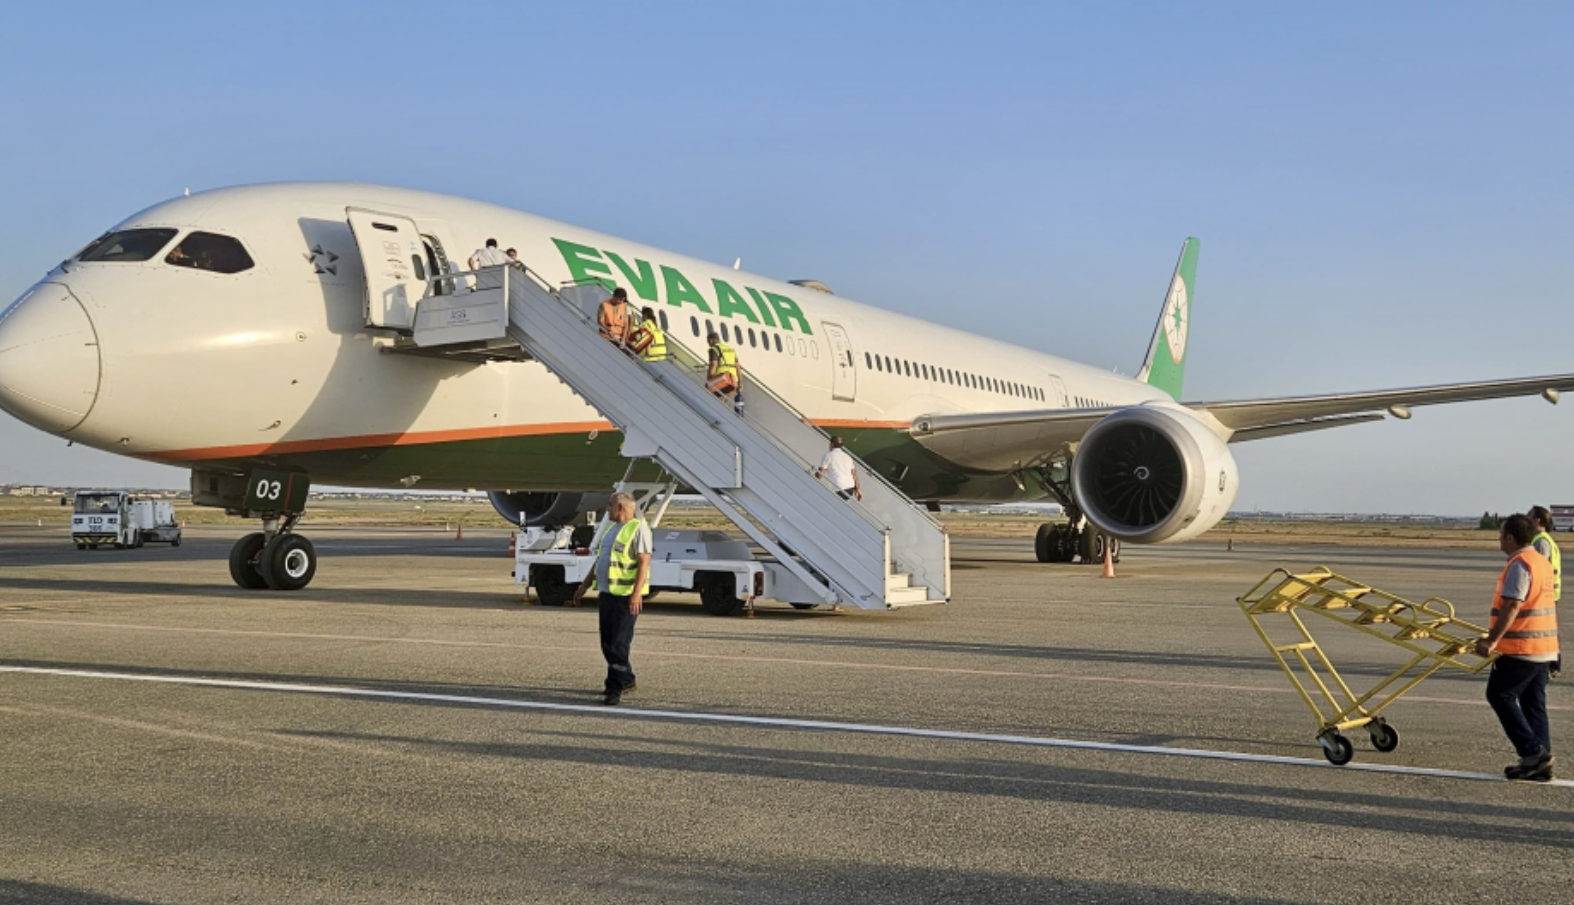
[(1428, 631)]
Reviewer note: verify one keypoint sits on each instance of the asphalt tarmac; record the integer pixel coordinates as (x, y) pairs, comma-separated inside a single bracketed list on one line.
[(405, 730)]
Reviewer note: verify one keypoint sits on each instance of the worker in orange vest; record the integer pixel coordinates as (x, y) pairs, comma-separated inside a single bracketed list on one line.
[(1524, 634), (614, 316)]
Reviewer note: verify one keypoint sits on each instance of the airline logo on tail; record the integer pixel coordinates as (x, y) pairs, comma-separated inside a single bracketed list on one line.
[(1165, 365), (1176, 315)]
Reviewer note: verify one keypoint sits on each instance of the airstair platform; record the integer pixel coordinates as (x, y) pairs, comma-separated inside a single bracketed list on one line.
[(756, 465)]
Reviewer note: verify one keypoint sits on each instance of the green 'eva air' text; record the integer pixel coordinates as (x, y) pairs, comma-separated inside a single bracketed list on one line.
[(660, 283)]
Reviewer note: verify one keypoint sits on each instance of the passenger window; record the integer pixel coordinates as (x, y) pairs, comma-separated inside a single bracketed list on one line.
[(420, 269), (778, 338), (868, 361), (662, 316), (709, 329), (694, 325), (127, 245), (814, 351), (212, 252), (751, 339)]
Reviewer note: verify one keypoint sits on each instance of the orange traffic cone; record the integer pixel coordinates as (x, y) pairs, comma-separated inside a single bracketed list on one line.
[(513, 543), (1109, 562)]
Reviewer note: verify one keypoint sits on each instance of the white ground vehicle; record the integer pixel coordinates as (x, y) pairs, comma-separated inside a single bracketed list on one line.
[(720, 568), (116, 517)]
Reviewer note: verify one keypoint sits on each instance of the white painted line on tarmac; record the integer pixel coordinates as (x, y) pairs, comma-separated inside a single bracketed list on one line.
[(771, 722), (735, 658)]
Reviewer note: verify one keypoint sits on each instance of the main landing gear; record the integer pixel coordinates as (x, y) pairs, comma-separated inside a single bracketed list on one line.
[(1075, 539), (275, 558)]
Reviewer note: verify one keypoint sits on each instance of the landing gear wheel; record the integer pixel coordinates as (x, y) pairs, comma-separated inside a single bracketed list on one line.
[(1385, 738), (1337, 748), (718, 595), (288, 562), (551, 588), (243, 561), (1046, 545)]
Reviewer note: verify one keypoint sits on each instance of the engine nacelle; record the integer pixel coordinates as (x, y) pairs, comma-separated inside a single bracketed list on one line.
[(544, 509), (1153, 473)]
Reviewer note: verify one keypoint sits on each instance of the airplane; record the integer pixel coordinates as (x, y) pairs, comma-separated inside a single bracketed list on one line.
[(244, 333)]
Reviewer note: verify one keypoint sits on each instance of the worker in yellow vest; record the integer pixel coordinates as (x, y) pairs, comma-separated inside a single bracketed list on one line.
[(722, 375), (622, 578), (648, 339), (1524, 634), (1546, 546)]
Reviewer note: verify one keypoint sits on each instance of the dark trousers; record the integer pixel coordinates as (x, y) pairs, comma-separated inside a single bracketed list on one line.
[(617, 633), (1517, 691)]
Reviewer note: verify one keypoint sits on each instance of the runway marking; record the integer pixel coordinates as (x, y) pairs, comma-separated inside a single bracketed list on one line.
[(735, 658), (772, 722)]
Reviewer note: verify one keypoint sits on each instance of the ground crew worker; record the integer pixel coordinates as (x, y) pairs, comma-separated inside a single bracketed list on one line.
[(622, 578), (721, 373), (1541, 517), (648, 339), (614, 316), (838, 463), (1524, 632)]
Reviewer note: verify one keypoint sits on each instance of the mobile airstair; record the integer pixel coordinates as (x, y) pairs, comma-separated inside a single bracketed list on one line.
[(755, 466)]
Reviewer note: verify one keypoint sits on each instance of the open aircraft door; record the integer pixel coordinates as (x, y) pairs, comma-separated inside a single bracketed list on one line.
[(844, 374), (393, 258)]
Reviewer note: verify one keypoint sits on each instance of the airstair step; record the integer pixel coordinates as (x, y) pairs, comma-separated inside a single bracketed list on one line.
[(907, 596)]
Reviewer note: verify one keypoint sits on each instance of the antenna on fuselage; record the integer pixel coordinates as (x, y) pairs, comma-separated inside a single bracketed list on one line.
[(187, 192), (737, 263)]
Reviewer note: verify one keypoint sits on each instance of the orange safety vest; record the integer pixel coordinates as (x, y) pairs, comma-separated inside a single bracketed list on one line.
[(1535, 627), (614, 320)]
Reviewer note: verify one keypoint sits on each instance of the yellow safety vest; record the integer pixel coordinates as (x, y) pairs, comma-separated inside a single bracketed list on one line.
[(1557, 563), (623, 567), (728, 363), (657, 350)]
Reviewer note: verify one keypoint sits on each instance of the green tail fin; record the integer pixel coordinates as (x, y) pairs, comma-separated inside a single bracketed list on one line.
[(1165, 366)]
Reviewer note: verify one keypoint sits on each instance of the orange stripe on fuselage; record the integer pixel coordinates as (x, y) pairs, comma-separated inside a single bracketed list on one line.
[(411, 438), (417, 438)]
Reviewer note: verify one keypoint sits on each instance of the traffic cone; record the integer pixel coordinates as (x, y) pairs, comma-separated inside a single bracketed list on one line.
[(1109, 562), (40, 523), (513, 543), (1229, 545), (460, 534)]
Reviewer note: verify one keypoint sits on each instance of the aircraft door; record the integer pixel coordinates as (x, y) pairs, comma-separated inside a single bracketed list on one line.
[(844, 374), (393, 257), (1057, 393)]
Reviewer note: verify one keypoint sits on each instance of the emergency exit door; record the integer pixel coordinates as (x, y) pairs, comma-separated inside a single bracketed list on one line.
[(844, 374), (393, 257)]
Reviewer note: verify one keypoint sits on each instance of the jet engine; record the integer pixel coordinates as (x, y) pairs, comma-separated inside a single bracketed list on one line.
[(1153, 473), (544, 509)]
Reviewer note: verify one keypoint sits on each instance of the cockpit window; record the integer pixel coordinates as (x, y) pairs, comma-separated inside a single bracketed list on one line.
[(210, 251), (127, 245)]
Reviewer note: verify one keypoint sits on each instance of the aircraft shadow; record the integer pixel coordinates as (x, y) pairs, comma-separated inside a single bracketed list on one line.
[(1031, 782)]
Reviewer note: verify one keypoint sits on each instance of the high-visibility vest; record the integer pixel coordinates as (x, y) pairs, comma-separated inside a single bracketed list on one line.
[(656, 349), (1557, 563), (727, 360), (623, 567), (1535, 627), (614, 319)]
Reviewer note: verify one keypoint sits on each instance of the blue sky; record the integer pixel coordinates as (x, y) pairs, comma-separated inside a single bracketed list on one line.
[(1383, 190)]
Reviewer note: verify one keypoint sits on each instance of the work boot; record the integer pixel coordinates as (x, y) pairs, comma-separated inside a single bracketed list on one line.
[(1536, 767), (612, 698)]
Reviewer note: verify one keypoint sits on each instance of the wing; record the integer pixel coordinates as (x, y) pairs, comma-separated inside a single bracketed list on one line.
[(1008, 441)]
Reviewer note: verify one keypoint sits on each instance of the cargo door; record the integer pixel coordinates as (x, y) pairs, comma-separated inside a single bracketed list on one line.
[(844, 374), (393, 257)]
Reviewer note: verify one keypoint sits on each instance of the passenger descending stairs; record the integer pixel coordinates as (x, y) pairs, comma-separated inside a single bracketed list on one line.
[(757, 467)]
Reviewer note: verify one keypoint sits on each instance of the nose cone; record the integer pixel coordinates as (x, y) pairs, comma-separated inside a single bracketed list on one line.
[(48, 359)]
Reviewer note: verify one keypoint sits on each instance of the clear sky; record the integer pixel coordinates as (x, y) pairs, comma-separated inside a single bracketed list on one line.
[(1383, 191)]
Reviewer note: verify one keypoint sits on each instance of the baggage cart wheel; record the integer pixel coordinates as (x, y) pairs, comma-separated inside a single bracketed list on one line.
[(1336, 748), (552, 589), (1384, 737)]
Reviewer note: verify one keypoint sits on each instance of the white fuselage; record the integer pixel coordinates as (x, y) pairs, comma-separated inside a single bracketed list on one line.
[(276, 361)]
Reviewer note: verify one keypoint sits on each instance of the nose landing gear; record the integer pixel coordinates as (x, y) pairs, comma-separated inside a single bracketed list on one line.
[(275, 558)]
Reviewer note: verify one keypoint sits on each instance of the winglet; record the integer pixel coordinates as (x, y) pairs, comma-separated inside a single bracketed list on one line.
[(1165, 365)]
